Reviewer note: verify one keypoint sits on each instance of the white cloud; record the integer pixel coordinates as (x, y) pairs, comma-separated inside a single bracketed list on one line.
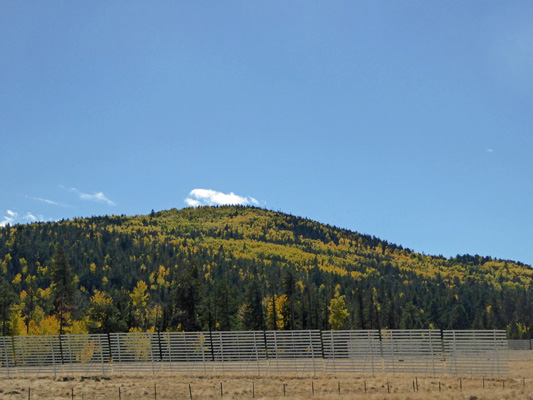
[(10, 218), (30, 217), (208, 197), (13, 218), (489, 150), (98, 197), (192, 202)]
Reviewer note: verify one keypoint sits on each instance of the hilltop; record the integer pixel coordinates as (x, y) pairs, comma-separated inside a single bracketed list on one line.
[(232, 267)]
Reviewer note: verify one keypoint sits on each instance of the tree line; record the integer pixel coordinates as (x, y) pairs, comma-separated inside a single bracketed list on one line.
[(243, 268)]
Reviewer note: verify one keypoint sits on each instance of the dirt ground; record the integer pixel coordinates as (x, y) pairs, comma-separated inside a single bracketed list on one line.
[(517, 385)]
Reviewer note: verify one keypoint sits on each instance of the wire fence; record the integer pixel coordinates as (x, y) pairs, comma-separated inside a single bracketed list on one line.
[(260, 353)]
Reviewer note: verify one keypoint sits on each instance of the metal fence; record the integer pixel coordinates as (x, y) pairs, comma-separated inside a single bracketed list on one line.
[(259, 353), (476, 352), (413, 351), (356, 352), (520, 350)]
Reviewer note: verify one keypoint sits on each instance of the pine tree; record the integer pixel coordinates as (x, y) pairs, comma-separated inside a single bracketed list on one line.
[(253, 314), (7, 297), (63, 286), (185, 298), (289, 286)]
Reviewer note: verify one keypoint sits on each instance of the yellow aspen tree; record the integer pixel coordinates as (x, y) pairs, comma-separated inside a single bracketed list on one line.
[(140, 299), (274, 315), (337, 310)]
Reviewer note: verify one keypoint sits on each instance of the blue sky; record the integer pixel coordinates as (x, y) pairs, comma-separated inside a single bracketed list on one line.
[(408, 120)]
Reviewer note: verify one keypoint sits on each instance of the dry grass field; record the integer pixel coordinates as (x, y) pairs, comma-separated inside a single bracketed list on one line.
[(518, 385)]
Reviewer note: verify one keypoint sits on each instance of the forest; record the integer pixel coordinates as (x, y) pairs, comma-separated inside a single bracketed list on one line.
[(243, 268)]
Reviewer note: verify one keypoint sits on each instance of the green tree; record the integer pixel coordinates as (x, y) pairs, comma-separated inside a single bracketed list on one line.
[(185, 298), (7, 297), (63, 286), (289, 286), (225, 299), (104, 316), (253, 315)]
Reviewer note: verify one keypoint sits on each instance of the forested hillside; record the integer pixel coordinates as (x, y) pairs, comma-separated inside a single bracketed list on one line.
[(243, 268)]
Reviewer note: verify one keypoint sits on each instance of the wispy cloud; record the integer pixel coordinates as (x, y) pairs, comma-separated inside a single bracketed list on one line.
[(13, 217), (98, 197), (10, 218), (208, 197), (51, 202), (489, 150)]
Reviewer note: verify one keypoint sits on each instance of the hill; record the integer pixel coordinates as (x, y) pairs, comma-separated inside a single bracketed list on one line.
[(231, 267)]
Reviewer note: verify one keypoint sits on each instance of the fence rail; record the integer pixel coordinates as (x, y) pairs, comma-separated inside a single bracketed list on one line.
[(476, 352), (413, 351), (260, 353)]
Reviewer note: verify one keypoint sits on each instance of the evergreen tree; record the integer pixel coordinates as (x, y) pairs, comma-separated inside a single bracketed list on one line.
[(7, 297), (225, 299), (184, 298), (253, 314), (63, 286), (289, 287)]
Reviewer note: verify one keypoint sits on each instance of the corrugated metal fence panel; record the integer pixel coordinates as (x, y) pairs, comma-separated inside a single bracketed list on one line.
[(296, 352), (412, 351), (352, 352), (476, 352)]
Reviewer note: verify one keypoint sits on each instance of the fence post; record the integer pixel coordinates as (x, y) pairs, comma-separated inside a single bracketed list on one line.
[(14, 352), (69, 354), (211, 345), (101, 353), (109, 345), (313, 351), (53, 353), (266, 343), (322, 344), (61, 350), (160, 346)]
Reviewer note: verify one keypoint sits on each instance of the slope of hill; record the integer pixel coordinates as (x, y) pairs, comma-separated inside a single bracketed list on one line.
[(227, 268)]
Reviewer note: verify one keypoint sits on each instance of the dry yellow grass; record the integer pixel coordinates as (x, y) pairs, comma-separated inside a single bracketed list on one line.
[(518, 385)]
